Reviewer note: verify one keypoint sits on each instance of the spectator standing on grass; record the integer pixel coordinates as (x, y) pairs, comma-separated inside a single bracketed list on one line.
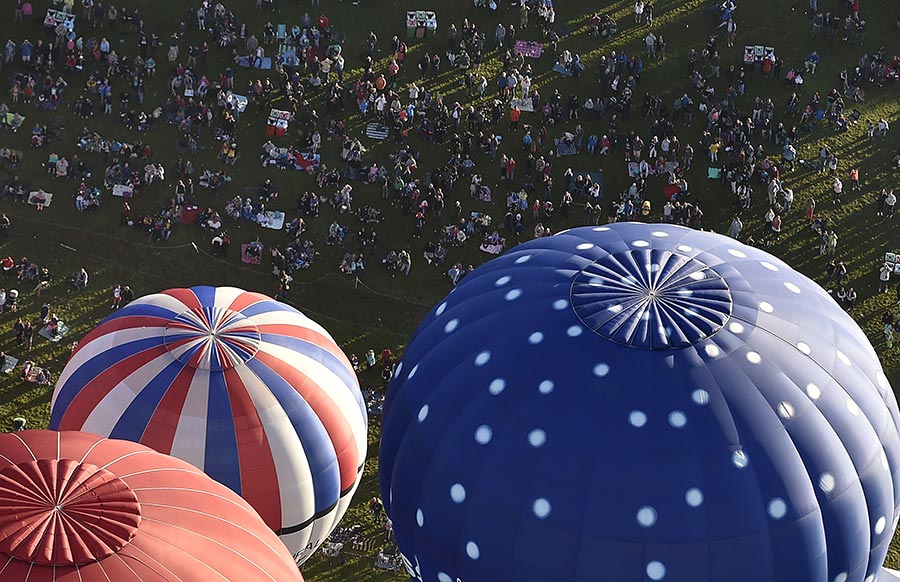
[(889, 203), (884, 277), (736, 227), (28, 336), (639, 11), (81, 280), (788, 198)]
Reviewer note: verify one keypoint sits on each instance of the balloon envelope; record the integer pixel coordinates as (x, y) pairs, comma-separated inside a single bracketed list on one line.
[(640, 402), (75, 506), (244, 387)]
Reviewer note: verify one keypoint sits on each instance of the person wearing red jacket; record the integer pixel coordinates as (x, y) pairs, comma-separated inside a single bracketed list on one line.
[(514, 116)]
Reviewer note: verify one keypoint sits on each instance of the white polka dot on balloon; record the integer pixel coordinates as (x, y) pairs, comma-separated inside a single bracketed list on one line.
[(483, 434), (852, 407), (813, 391), (842, 577), (502, 281), (473, 551), (451, 325), (601, 229), (441, 308), (496, 386), (444, 577), (513, 294), (712, 350), (740, 459), (482, 358), (535, 338), (766, 307), (843, 358), (423, 413), (601, 370), (546, 387), (646, 516), (697, 275), (685, 248), (560, 304), (694, 497), (537, 438), (768, 265), (754, 357), (777, 508), (574, 330), (804, 347), (656, 570), (541, 508), (827, 482), (737, 253), (637, 418), (523, 259), (791, 287), (616, 308), (412, 372), (585, 246), (420, 518), (700, 397), (880, 525), (457, 493), (677, 419), (786, 410), (640, 243), (660, 233), (735, 327)]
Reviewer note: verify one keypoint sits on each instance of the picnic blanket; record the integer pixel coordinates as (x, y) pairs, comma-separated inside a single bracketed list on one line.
[(61, 330), (377, 131), (522, 104), (10, 117), (189, 215), (671, 190), (713, 173), (246, 257), (245, 62), (491, 249), (307, 161), (123, 191), (273, 219), (9, 364), (238, 101), (562, 70), (33, 373), (596, 177), (565, 147), (40, 198), (528, 48)]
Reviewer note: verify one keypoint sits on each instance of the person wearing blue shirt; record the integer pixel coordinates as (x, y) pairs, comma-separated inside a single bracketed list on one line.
[(26, 51), (812, 61)]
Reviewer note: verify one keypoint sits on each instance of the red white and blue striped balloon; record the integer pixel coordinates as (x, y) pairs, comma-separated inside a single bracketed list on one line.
[(248, 389)]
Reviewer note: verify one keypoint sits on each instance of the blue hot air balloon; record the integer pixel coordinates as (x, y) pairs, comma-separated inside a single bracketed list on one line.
[(640, 402)]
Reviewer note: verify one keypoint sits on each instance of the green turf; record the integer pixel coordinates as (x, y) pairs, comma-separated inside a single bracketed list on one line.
[(379, 310)]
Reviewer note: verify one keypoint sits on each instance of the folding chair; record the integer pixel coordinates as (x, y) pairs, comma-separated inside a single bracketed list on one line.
[(281, 33)]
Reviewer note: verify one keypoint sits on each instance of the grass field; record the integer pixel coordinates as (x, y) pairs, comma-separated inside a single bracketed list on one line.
[(378, 310)]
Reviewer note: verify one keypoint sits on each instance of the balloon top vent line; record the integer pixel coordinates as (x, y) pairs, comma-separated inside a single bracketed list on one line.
[(212, 338), (651, 299)]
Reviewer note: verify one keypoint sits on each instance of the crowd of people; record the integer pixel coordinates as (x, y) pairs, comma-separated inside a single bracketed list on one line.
[(504, 139)]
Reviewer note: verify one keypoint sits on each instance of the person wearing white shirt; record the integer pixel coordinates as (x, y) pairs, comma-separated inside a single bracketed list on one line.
[(639, 11), (788, 199)]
